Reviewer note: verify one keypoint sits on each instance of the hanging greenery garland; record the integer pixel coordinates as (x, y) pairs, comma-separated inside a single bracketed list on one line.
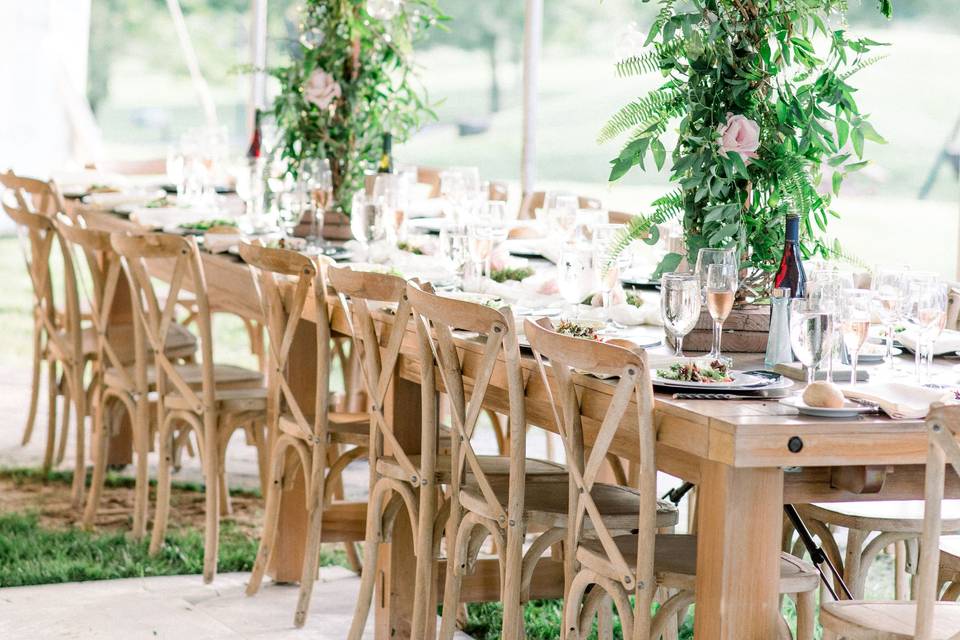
[(767, 124), (352, 81)]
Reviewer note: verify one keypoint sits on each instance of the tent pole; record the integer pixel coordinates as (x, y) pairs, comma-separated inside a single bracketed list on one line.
[(532, 40), (193, 64), (258, 57)]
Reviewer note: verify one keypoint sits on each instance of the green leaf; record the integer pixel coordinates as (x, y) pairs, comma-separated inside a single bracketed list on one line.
[(619, 169), (856, 166), (669, 264), (870, 133), (856, 137), (659, 152), (843, 130), (654, 235), (738, 164), (837, 181)]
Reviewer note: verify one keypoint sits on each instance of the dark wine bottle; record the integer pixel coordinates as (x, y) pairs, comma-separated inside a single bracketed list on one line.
[(791, 274), (256, 139), (386, 158)]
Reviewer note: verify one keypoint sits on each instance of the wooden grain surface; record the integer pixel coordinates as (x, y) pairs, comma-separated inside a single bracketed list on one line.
[(737, 448)]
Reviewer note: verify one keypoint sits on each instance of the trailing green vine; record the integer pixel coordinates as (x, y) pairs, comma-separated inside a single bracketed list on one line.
[(767, 124), (352, 82)]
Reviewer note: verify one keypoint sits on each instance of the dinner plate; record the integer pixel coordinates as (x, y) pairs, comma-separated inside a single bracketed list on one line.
[(740, 380), (848, 410), (872, 357)]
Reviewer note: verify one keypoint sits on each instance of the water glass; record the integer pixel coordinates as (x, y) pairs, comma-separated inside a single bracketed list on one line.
[(574, 275), (828, 285), (721, 290), (928, 313), (811, 333), (455, 249), (889, 285), (366, 219), (855, 313), (679, 305)]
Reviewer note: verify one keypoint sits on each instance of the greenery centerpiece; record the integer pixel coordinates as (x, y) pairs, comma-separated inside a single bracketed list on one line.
[(351, 81), (767, 121)]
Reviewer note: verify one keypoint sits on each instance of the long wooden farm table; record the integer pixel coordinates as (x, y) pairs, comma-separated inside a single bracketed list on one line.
[(748, 458)]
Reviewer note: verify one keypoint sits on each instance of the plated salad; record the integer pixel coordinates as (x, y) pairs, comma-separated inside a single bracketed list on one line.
[(716, 371)]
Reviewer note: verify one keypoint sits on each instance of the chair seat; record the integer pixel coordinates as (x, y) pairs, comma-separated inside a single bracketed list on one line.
[(675, 563), (546, 500), (228, 400), (498, 466), (896, 516), (180, 343), (225, 376), (344, 428), (890, 620)]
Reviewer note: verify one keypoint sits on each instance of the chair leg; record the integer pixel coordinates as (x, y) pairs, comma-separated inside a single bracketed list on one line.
[(510, 595), (851, 564), (64, 419), (80, 454), (141, 442), (34, 388), (99, 446), (163, 490), (423, 609), (212, 477), (371, 550), (51, 416), (453, 581), (806, 615), (311, 554), (605, 620), (270, 519), (900, 576)]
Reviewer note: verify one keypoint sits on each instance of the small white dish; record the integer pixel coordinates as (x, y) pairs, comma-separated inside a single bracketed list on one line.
[(848, 410)]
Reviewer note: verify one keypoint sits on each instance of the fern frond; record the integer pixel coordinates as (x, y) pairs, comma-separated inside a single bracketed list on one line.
[(860, 66), (664, 208), (658, 105), (838, 252), (796, 189), (650, 60)]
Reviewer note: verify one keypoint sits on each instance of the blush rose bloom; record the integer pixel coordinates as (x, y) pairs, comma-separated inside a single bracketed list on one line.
[(740, 135), (321, 89)]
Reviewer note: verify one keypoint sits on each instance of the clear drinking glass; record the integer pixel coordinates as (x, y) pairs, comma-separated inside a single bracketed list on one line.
[(573, 275), (607, 269), (888, 285), (811, 333), (928, 313), (366, 219), (679, 305), (175, 168), (721, 289), (855, 313), (455, 249), (828, 285), (707, 257)]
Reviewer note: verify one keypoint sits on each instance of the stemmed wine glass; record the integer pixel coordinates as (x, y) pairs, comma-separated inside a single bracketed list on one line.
[(721, 289), (855, 310), (317, 178), (888, 285), (811, 332), (828, 285), (707, 257), (679, 305), (607, 268), (928, 313)]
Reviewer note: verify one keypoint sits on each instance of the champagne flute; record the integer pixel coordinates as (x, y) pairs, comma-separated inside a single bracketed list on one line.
[(679, 305), (811, 333), (855, 310), (721, 289), (888, 284), (607, 268)]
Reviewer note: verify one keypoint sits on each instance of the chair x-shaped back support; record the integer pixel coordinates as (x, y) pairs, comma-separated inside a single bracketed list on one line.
[(567, 355)]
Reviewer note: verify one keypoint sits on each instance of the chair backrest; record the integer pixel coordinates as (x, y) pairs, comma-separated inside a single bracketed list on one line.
[(436, 318), (534, 200), (943, 428), (283, 280), (104, 279), (379, 345), (183, 262), (567, 355), (60, 319)]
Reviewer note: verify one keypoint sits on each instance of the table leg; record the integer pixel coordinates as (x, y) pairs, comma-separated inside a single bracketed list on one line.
[(738, 552), (398, 565)]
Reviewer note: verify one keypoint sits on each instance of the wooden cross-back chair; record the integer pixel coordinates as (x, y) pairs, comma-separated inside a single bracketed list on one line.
[(121, 378), (638, 560), (29, 203), (400, 478), (213, 404), (286, 281), (535, 200), (925, 618)]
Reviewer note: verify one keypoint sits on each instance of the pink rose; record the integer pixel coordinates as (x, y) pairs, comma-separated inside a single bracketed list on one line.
[(549, 287), (499, 258), (321, 89), (740, 135)]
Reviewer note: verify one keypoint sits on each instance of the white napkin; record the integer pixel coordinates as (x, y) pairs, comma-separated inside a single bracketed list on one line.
[(110, 201), (221, 242), (947, 342), (898, 400), (424, 208)]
